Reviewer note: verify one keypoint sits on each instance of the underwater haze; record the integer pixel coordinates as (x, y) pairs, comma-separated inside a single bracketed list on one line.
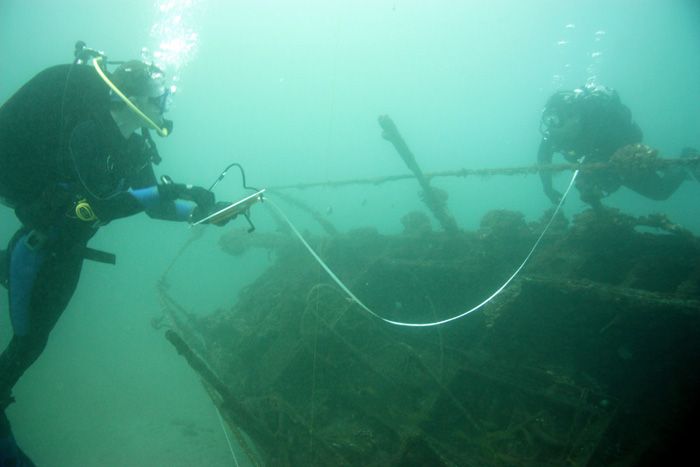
[(292, 90)]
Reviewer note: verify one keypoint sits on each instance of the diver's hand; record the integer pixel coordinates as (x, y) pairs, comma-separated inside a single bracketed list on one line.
[(553, 195), (204, 198), (201, 196)]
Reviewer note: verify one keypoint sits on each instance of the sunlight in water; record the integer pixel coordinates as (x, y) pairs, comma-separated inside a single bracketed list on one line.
[(173, 35)]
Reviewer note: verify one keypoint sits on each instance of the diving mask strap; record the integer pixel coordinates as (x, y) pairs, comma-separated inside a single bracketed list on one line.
[(96, 64)]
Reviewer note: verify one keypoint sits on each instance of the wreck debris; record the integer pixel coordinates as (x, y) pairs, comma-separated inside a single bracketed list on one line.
[(237, 241), (588, 355), (227, 404), (416, 223), (634, 157), (435, 199), (631, 299), (317, 216)]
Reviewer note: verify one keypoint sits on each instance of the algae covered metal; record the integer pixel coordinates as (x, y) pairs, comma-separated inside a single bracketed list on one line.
[(588, 358)]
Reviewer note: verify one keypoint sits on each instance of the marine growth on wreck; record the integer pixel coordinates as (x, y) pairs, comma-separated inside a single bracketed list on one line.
[(588, 357)]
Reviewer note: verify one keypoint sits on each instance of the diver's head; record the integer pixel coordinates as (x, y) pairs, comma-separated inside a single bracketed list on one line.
[(562, 115), (138, 79), (144, 85)]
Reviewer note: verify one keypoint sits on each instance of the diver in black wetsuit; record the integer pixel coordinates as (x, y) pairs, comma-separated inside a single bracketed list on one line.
[(591, 122), (71, 161)]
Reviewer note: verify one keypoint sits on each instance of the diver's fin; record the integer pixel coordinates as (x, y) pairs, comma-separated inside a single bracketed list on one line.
[(10, 453)]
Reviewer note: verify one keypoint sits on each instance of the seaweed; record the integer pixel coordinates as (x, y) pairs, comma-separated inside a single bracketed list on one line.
[(590, 353)]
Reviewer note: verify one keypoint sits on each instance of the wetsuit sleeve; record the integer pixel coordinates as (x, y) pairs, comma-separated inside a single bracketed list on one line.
[(544, 157), (148, 199), (159, 201), (159, 206), (111, 194)]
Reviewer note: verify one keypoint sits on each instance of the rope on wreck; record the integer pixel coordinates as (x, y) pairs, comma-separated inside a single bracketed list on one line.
[(434, 323), (657, 164)]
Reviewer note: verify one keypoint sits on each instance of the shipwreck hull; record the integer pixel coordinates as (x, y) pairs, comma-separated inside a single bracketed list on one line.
[(589, 357)]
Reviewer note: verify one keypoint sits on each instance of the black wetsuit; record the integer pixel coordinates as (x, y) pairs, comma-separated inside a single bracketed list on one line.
[(606, 126), (59, 145)]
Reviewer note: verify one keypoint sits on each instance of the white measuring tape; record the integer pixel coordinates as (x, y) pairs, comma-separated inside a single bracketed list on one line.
[(434, 323)]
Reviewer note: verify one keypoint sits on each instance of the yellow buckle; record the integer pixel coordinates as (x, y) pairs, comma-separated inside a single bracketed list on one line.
[(84, 211)]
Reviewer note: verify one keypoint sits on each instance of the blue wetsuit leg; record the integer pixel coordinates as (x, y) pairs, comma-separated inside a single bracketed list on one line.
[(42, 279)]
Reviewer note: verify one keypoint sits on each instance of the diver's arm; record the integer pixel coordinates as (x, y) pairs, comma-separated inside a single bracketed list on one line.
[(158, 201), (177, 201), (158, 206), (112, 199), (171, 201), (544, 157)]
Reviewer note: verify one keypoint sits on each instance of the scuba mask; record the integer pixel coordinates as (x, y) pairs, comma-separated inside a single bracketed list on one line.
[(560, 110), (162, 102)]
